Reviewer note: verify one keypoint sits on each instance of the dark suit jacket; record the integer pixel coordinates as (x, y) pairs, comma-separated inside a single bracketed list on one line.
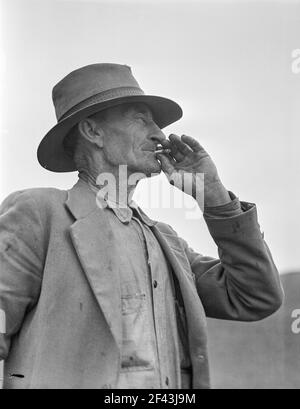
[(59, 287)]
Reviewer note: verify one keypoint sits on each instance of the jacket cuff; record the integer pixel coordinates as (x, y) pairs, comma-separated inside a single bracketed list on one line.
[(240, 224), (230, 209)]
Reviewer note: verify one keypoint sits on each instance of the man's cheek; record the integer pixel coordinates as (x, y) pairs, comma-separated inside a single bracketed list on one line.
[(119, 154)]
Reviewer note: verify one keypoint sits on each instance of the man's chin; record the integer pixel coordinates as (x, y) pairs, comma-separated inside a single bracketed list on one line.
[(149, 168), (153, 173), (152, 169)]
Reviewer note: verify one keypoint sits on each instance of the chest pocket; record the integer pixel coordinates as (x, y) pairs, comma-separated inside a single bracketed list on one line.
[(133, 304), (137, 352)]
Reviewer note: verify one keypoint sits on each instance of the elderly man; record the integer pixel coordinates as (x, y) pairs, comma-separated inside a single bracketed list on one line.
[(98, 295)]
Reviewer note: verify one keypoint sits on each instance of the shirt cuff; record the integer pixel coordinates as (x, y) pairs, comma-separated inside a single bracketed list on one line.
[(230, 209)]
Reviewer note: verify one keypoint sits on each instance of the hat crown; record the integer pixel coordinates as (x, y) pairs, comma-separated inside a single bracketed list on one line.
[(88, 81)]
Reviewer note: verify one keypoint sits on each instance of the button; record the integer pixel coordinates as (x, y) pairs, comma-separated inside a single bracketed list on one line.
[(155, 284), (167, 381), (201, 357)]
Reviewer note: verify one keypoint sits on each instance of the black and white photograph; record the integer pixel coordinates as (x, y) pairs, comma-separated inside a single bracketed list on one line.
[(149, 197)]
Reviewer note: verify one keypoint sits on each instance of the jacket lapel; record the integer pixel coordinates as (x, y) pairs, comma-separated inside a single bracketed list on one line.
[(94, 244), (175, 254)]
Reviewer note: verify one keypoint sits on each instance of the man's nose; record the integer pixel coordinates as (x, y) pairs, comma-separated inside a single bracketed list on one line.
[(157, 134)]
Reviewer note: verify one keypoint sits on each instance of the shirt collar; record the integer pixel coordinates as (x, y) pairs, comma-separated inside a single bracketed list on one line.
[(124, 214)]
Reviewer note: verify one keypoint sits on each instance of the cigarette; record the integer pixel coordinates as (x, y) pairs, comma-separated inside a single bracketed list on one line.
[(163, 151)]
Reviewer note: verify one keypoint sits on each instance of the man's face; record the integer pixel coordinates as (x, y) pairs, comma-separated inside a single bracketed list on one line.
[(131, 136)]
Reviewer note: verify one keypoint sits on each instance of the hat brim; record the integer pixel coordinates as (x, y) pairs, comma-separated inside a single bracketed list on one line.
[(51, 154)]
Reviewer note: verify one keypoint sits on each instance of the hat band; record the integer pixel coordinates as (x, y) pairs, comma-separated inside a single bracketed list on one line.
[(103, 97)]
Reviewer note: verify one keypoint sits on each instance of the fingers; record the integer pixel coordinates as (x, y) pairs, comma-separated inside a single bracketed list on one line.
[(175, 152), (167, 163), (181, 146), (186, 144), (193, 144)]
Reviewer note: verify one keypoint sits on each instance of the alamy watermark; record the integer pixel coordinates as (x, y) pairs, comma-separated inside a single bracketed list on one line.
[(2, 322), (113, 191), (296, 321), (296, 61)]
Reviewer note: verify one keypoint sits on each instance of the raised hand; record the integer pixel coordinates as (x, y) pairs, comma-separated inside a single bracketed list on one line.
[(187, 165)]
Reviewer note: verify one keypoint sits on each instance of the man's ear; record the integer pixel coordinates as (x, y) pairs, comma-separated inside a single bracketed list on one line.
[(91, 131)]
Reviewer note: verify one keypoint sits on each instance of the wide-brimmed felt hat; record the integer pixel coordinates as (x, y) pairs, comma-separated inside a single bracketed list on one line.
[(91, 89)]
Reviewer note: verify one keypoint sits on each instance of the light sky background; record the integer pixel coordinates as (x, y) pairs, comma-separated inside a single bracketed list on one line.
[(227, 63)]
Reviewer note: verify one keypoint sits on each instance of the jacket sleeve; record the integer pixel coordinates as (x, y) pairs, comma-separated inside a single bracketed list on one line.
[(243, 284), (21, 266)]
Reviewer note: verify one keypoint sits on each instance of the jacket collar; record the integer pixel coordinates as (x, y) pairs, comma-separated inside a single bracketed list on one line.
[(83, 200)]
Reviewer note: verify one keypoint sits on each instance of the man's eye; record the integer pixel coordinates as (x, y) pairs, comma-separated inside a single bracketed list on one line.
[(144, 120)]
